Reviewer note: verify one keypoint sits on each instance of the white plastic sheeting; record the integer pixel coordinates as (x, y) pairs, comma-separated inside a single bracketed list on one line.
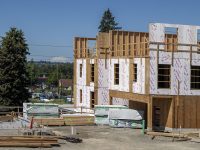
[(126, 114)]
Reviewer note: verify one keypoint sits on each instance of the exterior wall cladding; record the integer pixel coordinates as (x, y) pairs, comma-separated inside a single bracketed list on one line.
[(180, 69), (180, 61)]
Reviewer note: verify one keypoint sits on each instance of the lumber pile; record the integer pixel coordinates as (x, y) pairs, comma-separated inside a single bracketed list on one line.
[(6, 118), (28, 141), (66, 119), (49, 121), (165, 134), (78, 119)]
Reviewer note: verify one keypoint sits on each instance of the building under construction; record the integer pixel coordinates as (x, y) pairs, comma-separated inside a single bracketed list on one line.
[(156, 71)]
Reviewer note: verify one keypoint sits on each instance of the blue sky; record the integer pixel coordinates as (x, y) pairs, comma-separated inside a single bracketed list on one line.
[(56, 22)]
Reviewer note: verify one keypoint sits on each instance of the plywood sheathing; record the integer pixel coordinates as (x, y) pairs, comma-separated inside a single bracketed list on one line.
[(188, 109), (166, 112)]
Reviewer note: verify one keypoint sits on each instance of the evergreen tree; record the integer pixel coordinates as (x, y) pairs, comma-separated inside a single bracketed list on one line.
[(14, 77), (107, 22)]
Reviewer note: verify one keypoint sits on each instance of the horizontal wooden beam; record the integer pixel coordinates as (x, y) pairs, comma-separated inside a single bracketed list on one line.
[(144, 98)]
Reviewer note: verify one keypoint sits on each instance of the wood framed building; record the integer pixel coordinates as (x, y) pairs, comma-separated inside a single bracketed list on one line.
[(156, 71)]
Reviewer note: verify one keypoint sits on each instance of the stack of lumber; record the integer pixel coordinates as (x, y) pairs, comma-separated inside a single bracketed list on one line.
[(28, 141), (66, 119), (166, 134), (78, 119), (6, 118), (49, 121)]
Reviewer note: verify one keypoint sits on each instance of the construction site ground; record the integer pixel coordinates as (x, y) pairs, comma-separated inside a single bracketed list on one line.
[(107, 138)]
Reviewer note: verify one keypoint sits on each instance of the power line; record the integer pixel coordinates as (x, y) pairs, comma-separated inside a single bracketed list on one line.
[(49, 56), (49, 45)]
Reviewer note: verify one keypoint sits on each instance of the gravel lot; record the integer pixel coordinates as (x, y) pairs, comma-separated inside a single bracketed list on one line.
[(106, 138)]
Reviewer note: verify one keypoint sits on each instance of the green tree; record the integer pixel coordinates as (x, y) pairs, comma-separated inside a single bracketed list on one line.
[(107, 22), (14, 77)]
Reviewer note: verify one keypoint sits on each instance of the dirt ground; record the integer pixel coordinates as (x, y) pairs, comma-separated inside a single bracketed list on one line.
[(107, 138)]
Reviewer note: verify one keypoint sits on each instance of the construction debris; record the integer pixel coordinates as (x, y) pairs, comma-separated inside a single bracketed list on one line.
[(71, 139)]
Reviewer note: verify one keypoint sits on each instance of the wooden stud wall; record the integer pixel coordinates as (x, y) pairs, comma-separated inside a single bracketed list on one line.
[(171, 42), (128, 44), (81, 47)]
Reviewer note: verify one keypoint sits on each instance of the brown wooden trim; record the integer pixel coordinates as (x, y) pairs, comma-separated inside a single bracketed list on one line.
[(130, 96), (74, 82), (96, 80), (131, 71), (87, 72), (147, 75)]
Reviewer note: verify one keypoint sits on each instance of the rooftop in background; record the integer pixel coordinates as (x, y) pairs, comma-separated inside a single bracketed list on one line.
[(65, 83)]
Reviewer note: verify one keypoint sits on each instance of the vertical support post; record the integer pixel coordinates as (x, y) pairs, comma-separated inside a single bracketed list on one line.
[(150, 105)]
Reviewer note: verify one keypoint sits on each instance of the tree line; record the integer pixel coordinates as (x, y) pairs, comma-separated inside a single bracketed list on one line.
[(52, 71)]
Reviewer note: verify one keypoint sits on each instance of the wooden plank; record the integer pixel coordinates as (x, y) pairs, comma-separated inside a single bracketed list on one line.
[(31, 145), (96, 84), (131, 71), (88, 72), (130, 96), (6, 118), (149, 117), (49, 121), (147, 75), (79, 120)]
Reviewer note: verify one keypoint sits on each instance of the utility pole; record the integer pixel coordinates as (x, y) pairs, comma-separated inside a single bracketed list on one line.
[(57, 80)]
